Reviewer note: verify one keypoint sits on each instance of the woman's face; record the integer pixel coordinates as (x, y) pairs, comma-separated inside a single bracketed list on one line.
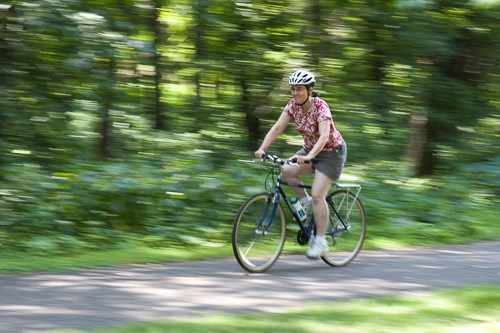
[(299, 93)]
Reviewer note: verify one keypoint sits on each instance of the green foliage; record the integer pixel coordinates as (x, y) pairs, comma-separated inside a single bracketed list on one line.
[(89, 88)]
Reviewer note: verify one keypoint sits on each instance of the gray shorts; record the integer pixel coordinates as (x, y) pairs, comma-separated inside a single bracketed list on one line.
[(329, 163)]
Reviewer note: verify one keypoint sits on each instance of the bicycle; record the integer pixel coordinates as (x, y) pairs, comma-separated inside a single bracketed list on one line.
[(259, 228)]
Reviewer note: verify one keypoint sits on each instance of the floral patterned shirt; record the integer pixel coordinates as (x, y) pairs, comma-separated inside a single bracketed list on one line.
[(308, 123)]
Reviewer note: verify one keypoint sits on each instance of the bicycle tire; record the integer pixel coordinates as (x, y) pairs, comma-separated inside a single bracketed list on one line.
[(254, 250), (344, 244)]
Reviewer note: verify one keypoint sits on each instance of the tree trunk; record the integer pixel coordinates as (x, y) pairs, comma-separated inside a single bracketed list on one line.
[(107, 97), (200, 9), (417, 141), (158, 109), (420, 152), (252, 123)]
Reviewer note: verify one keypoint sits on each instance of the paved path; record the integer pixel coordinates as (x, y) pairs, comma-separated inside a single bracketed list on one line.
[(114, 296)]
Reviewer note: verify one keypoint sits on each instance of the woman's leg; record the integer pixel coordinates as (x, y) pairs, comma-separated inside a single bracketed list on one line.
[(291, 174), (320, 187), (318, 245)]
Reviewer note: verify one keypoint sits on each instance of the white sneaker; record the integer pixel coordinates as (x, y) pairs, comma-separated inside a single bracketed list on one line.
[(317, 247), (306, 203)]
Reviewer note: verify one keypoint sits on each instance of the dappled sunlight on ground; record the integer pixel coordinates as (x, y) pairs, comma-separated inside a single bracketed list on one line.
[(107, 297)]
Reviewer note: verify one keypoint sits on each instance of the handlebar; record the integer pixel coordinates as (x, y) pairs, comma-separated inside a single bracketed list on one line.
[(276, 160)]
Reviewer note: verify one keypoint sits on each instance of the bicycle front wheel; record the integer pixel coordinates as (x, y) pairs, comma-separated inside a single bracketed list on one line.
[(346, 230), (259, 233)]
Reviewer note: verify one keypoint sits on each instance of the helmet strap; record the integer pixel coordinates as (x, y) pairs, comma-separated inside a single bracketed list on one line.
[(307, 99)]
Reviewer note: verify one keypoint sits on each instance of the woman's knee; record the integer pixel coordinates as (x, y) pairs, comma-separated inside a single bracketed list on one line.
[(289, 173), (318, 198)]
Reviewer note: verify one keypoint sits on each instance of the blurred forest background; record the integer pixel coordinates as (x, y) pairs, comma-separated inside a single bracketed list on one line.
[(125, 121)]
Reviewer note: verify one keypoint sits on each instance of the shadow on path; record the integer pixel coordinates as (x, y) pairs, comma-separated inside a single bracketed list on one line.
[(117, 296)]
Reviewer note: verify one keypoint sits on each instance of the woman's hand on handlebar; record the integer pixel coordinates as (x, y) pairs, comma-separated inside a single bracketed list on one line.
[(301, 159), (260, 153)]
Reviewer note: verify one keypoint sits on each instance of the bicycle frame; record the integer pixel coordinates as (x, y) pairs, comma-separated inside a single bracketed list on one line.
[(306, 228)]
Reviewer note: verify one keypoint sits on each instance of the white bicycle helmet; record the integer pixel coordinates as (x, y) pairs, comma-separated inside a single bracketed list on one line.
[(301, 77)]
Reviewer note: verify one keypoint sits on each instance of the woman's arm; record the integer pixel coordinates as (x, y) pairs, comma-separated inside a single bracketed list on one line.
[(324, 133), (278, 128)]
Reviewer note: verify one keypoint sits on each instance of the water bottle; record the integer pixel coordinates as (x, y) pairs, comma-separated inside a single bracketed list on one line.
[(297, 207)]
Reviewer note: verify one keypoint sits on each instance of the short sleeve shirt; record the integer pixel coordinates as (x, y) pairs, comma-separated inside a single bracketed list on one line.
[(308, 123)]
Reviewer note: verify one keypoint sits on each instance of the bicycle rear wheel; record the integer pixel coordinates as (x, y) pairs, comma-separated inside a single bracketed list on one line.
[(347, 234), (259, 233)]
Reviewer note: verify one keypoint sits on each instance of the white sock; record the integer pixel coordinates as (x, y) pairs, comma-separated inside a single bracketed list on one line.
[(320, 238)]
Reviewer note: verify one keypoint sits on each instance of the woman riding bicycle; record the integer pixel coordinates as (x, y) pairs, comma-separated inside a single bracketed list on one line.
[(323, 146)]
